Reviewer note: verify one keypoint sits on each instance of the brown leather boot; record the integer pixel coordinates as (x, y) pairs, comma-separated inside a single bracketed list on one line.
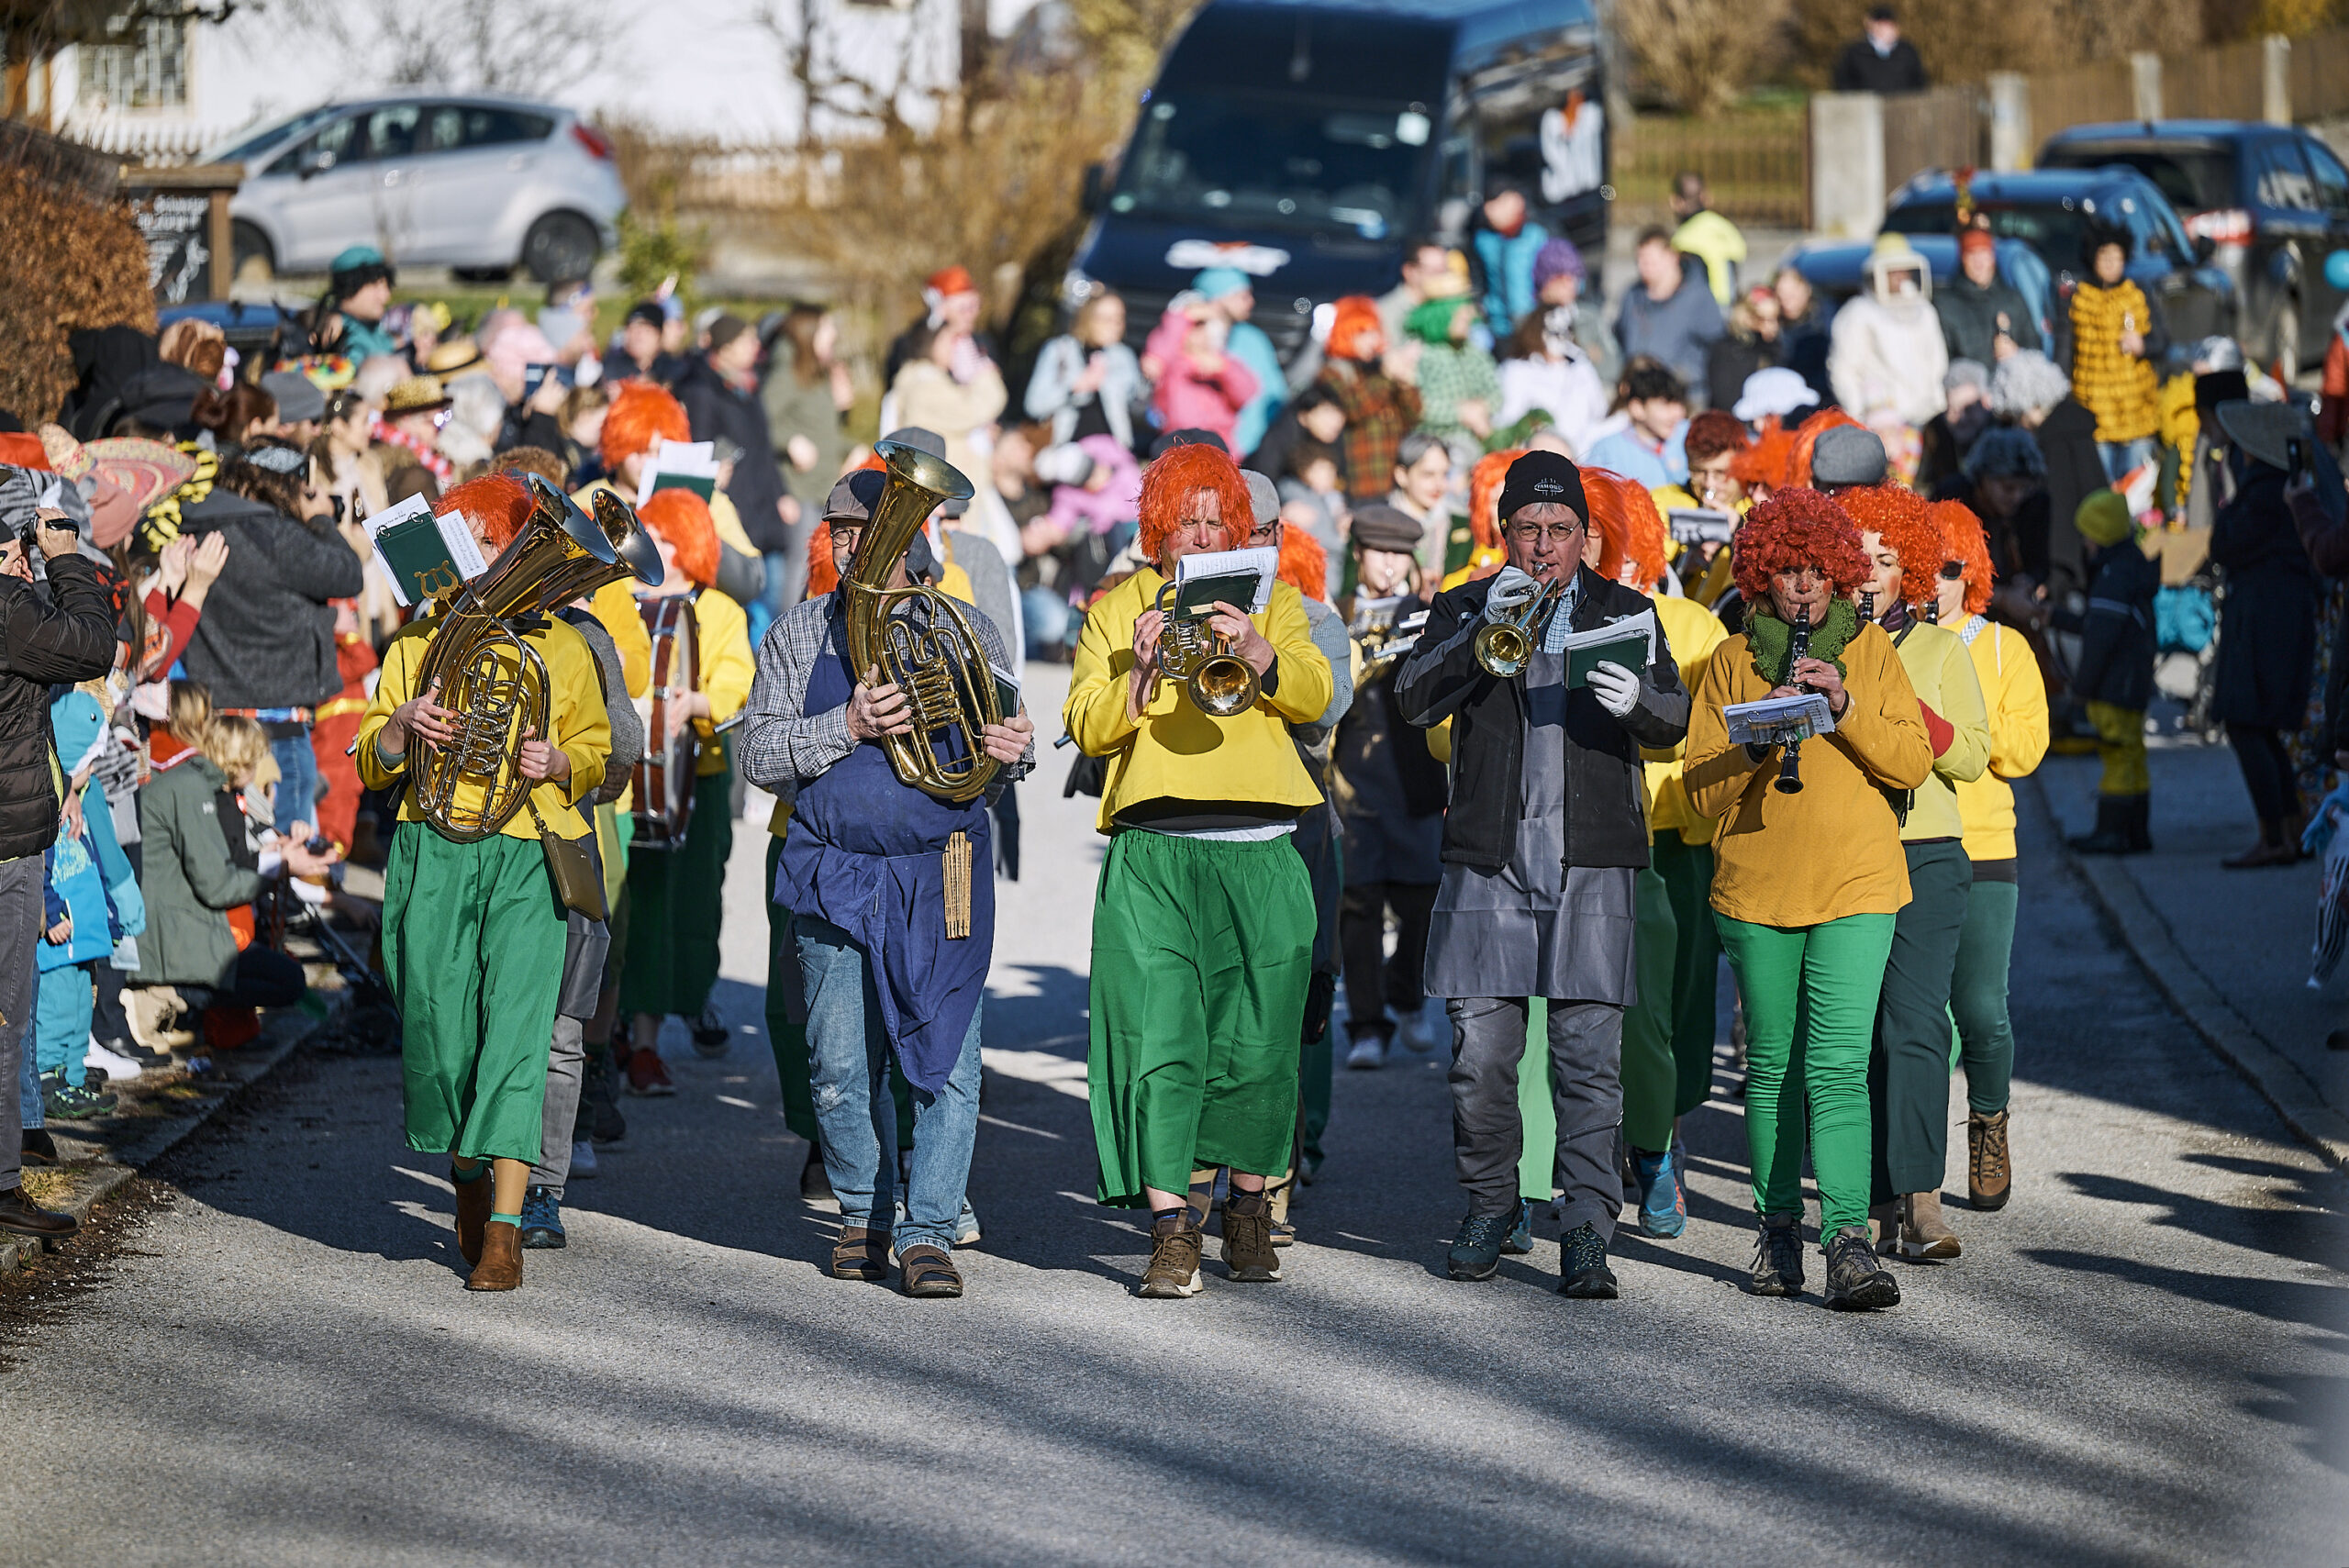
[(501, 1258), (1923, 1234), (1988, 1178), (1883, 1227), (474, 1199)]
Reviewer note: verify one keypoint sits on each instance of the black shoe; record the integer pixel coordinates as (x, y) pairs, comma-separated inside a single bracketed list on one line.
[(131, 1051), (1855, 1281), (711, 1037), (1583, 1273), (39, 1148), (1777, 1256), (61, 1101), (20, 1216), (2139, 824), (604, 1122), (1476, 1251), (2111, 834)]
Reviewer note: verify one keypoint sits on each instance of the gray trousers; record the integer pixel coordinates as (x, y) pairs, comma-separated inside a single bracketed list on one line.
[(1586, 1086), (20, 928), (566, 1065)]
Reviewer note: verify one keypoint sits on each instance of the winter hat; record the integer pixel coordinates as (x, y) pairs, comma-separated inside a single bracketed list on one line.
[(1543, 476), (1777, 390), (2103, 517), (1967, 372), (1381, 527), (1262, 498), (298, 397), (725, 329), (1558, 258), (1847, 455), (354, 268), (1431, 323), (1214, 282)]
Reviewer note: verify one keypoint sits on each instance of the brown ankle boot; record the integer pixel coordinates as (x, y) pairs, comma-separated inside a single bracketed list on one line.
[(474, 1199), (501, 1258), (1988, 1178), (1883, 1227), (1923, 1234)]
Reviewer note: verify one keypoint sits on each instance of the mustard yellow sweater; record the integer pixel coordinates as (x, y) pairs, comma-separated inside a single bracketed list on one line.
[(1694, 633), (1944, 679)]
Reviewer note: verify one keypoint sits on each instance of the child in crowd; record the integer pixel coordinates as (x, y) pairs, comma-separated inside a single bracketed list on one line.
[(2115, 673), (1311, 495), (82, 922)]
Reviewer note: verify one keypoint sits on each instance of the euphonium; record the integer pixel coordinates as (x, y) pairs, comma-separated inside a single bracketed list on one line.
[(1192, 651), (941, 666), (1504, 646), (492, 681)]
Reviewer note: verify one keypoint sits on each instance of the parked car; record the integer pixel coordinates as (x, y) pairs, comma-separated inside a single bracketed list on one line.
[(2049, 211), (2273, 200), (478, 182)]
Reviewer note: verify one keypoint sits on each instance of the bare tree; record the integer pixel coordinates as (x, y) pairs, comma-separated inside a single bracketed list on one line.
[(1700, 54), (515, 46)]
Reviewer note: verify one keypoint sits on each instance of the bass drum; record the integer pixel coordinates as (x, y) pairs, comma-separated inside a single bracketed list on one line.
[(664, 777)]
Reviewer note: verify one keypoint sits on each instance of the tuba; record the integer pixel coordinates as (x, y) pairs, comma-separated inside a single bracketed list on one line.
[(493, 681), (1504, 646), (1219, 682), (941, 666)]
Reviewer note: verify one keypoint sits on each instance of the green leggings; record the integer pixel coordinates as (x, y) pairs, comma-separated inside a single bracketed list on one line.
[(1824, 979), (1978, 994), (1651, 1077)]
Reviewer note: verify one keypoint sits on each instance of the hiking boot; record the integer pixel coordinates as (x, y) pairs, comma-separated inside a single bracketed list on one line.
[(1923, 1234), (1248, 1250), (61, 1101), (1174, 1272), (862, 1253), (1663, 1208), (2138, 824), (2111, 836), (40, 1149), (1855, 1281), (1583, 1273), (1520, 1235), (1989, 1180), (1777, 1256), (647, 1074), (1476, 1250), (21, 1217), (711, 1037), (543, 1220)]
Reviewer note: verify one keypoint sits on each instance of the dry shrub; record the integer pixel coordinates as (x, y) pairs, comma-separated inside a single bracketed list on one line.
[(65, 263), (1700, 55)]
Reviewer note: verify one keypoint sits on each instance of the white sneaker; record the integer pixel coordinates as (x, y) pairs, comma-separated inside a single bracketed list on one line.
[(583, 1160), (1414, 1028), (101, 1060), (1369, 1052)]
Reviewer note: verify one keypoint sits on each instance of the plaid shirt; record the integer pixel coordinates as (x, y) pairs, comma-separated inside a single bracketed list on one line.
[(782, 744), (1380, 411)]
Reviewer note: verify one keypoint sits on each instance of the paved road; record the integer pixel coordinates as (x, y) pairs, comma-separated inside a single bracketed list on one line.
[(2143, 1361)]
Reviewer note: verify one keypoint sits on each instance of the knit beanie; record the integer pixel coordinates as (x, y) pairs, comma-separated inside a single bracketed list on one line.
[(2103, 518)]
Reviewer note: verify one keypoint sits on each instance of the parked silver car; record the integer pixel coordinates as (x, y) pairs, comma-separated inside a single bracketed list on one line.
[(476, 181)]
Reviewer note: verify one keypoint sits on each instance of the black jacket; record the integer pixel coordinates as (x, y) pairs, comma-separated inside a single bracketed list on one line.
[(1862, 69), (717, 409), (66, 639), (1605, 823), (266, 637), (2268, 620), (2067, 440), (1969, 316), (1728, 361), (2116, 663)]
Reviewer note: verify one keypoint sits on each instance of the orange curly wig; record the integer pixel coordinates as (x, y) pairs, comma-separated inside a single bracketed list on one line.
[(681, 520), (1807, 437), (1629, 528), (641, 417), (1769, 461), (1963, 540), (1484, 481), (1305, 565), (1354, 315), (821, 576), (499, 503), (1900, 514), (1168, 484), (1797, 528)]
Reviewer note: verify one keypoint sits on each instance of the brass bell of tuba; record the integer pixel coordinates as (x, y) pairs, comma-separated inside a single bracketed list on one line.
[(493, 681), (1219, 682), (937, 661), (1504, 646)]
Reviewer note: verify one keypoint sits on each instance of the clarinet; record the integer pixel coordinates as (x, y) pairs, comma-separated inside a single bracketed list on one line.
[(1790, 761)]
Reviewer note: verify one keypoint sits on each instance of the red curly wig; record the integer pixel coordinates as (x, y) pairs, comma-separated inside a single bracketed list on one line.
[(1900, 514), (681, 520), (1713, 432), (1168, 484), (1348, 320), (1484, 481), (1627, 526), (1807, 437), (822, 578), (1797, 528), (641, 417), (1305, 565), (1963, 540), (1769, 462), (497, 504)]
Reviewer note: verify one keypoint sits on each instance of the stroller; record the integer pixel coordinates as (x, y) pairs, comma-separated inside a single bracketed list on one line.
[(2186, 649)]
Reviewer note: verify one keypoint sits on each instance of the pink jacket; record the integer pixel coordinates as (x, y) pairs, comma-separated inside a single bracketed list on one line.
[(1185, 399), (1075, 508)]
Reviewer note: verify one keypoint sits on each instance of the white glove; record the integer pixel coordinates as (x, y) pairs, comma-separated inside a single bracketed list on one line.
[(1618, 689), (1512, 590)]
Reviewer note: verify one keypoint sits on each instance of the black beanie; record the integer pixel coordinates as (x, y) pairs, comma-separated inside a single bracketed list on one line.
[(1543, 476)]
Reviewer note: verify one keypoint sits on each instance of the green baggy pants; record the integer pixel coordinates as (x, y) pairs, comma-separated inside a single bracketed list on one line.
[(1978, 994), (1651, 1076), (1687, 873), (1908, 1071), (677, 900)]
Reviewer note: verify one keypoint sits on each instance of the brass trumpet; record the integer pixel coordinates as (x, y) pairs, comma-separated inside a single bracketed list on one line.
[(1504, 646), (1220, 682)]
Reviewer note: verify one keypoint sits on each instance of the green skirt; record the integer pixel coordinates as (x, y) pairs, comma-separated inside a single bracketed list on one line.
[(472, 947), (677, 902), (1202, 952)]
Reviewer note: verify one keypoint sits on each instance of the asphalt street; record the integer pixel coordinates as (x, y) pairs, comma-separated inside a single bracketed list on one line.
[(2144, 1359)]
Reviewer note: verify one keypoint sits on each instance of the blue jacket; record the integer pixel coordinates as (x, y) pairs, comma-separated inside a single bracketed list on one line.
[(1507, 265)]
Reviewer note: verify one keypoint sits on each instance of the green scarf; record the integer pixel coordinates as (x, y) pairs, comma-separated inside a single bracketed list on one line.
[(1771, 640)]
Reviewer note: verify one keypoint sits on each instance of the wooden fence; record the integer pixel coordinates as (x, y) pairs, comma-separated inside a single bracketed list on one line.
[(2222, 82), (2102, 90), (1945, 128), (1754, 165)]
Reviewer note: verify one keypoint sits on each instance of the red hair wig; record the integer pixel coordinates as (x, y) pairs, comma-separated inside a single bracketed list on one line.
[(1181, 473), (641, 417), (1901, 517), (1794, 528), (497, 504), (1963, 540), (1626, 527), (1484, 481), (1305, 565), (1353, 316), (822, 577), (1769, 461), (681, 520), (1807, 437), (1713, 432)]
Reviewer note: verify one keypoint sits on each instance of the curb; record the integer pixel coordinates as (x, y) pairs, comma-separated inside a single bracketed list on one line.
[(2277, 1078)]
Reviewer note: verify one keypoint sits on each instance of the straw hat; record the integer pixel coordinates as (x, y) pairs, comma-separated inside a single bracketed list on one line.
[(414, 394)]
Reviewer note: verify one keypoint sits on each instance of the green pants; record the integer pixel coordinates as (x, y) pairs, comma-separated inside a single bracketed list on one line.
[(1651, 1077), (1909, 1073), (1823, 981), (473, 947), (1687, 873), (1202, 950), (1978, 994), (677, 901), (789, 1040)]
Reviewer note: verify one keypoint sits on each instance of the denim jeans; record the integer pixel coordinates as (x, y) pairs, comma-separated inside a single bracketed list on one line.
[(848, 1075), (2119, 457), (28, 1100), (298, 787)]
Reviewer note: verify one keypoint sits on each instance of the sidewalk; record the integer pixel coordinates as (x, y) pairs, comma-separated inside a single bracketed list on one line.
[(2230, 948)]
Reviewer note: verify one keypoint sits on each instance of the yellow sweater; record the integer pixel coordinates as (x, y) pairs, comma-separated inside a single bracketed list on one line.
[(722, 642), (615, 604), (1942, 677), (578, 722), (1177, 752), (1694, 632), (1834, 849), (2016, 696)]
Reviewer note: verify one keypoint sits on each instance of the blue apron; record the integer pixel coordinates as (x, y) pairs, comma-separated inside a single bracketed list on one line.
[(863, 854)]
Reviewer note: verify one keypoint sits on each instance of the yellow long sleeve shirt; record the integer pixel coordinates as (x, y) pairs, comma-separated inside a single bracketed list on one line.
[(577, 723), (614, 607), (722, 639), (1176, 751), (1942, 675), (1834, 849), (2016, 696), (1694, 632)]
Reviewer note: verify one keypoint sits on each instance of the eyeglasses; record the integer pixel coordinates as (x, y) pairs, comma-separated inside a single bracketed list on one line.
[(847, 533), (1534, 533)]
